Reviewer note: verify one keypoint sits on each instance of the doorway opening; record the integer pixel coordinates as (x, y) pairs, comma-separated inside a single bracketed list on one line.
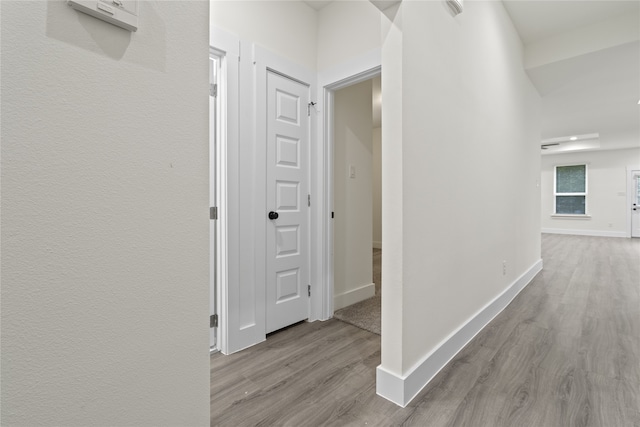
[(634, 202), (353, 136)]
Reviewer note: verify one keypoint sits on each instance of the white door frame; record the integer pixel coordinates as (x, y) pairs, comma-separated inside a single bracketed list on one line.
[(630, 189), (357, 70), (215, 59), (226, 47)]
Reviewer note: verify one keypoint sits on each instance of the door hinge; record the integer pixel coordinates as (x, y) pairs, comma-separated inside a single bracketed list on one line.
[(309, 289), (213, 90), (213, 212), (213, 321), (309, 200)]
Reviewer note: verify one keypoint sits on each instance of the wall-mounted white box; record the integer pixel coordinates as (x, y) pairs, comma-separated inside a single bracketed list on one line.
[(123, 13)]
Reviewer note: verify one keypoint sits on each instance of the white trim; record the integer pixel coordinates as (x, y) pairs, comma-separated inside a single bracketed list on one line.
[(570, 216), (227, 47), (595, 233), (215, 136), (354, 296), (585, 193), (402, 389), (377, 245)]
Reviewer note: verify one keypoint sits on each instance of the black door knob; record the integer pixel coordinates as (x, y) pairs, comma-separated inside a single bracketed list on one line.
[(273, 215)]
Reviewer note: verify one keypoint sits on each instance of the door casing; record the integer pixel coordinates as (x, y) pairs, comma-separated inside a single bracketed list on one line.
[(362, 68)]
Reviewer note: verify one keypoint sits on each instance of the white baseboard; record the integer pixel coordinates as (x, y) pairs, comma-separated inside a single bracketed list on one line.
[(596, 233), (353, 296), (402, 389), (377, 245)]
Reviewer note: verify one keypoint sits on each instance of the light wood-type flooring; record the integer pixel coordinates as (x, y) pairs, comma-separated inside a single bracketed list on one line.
[(565, 352)]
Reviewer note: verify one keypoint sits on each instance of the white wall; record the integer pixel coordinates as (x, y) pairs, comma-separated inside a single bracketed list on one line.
[(470, 142), (347, 29), (392, 190), (469, 195), (607, 202), (377, 187), (353, 270), (287, 28), (104, 217)]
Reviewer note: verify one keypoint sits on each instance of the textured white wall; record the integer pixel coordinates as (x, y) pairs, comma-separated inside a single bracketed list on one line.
[(607, 191), (104, 216), (469, 144), (352, 196), (287, 28)]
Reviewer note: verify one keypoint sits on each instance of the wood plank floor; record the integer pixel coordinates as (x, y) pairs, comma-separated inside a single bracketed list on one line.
[(566, 352)]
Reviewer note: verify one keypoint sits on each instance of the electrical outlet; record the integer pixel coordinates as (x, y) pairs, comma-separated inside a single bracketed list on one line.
[(504, 268)]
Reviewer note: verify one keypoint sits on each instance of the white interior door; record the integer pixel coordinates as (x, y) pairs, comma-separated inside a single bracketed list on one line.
[(635, 208), (287, 215)]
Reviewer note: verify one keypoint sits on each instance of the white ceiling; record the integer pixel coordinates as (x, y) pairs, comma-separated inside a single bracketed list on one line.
[(593, 92), (539, 19)]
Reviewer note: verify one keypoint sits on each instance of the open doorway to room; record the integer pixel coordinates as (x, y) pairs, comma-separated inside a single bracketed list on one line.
[(356, 202)]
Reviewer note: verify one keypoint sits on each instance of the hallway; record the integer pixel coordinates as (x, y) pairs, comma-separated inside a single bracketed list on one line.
[(564, 352)]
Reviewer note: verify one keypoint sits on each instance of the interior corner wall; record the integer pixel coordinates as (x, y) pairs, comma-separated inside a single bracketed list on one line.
[(377, 187), (105, 228), (607, 202), (353, 273), (287, 28), (471, 201)]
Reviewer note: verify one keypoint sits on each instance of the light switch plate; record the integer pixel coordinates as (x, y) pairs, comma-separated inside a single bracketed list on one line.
[(122, 13)]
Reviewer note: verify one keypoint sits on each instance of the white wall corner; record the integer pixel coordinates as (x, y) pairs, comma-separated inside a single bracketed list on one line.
[(384, 4), (401, 390), (354, 296)]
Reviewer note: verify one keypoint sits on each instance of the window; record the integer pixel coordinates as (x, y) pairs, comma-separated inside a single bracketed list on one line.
[(571, 190)]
